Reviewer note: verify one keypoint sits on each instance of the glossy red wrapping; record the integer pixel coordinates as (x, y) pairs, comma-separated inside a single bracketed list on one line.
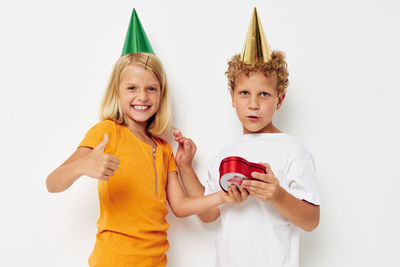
[(233, 170)]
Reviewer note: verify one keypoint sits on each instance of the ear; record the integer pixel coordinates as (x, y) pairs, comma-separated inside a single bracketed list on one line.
[(280, 101), (233, 98)]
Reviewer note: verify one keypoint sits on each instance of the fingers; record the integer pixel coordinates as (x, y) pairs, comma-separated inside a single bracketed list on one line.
[(258, 190), (184, 140), (109, 166), (264, 195), (255, 184), (104, 178), (187, 144), (108, 172), (258, 186), (232, 197), (244, 193), (266, 177), (267, 168), (178, 134), (263, 191), (103, 143), (113, 159), (113, 166), (237, 195)]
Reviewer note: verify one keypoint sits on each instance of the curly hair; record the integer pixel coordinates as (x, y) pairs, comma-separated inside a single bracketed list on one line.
[(277, 65)]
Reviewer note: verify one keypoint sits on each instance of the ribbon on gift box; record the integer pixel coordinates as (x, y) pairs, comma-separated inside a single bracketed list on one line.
[(233, 170)]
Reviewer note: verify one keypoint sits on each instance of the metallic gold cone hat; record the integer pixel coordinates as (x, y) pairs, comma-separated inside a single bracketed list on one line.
[(136, 40), (256, 48)]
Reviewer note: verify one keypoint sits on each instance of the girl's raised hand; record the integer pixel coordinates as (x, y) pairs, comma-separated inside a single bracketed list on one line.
[(98, 164), (186, 150)]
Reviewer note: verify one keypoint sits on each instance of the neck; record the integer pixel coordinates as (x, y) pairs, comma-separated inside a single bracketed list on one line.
[(270, 128), (138, 128)]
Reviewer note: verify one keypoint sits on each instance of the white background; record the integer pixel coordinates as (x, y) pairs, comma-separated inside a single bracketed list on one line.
[(343, 102)]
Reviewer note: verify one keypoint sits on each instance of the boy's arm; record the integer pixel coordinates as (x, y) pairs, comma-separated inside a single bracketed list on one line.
[(301, 213)]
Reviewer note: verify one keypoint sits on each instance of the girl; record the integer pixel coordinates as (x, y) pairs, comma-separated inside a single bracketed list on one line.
[(135, 168)]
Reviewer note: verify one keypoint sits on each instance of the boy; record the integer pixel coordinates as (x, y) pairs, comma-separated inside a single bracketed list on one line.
[(264, 230)]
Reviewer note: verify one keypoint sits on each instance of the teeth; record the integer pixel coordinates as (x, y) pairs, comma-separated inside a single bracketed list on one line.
[(141, 107)]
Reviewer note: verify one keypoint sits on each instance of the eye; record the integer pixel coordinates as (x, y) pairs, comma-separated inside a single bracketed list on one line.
[(244, 93), (152, 89), (265, 94), (131, 88)]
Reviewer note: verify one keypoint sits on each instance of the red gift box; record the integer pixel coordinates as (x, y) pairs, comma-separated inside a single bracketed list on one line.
[(233, 170)]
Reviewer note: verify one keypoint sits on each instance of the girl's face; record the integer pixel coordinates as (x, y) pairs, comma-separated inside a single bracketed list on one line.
[(139, 95), (256, 99)]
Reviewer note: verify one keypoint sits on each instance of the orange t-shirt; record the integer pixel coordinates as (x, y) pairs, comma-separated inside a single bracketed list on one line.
[(133, 201)]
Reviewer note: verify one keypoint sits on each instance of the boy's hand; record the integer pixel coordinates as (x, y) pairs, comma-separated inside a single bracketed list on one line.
[(100, 165), (267, 189), (186, 150), (234, 195)]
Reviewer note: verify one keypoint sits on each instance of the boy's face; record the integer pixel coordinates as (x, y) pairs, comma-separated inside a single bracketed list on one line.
[(256, 99)]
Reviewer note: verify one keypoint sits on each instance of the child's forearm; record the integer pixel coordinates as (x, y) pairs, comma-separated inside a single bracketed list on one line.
[(301, 213), (190, 181), (63, 177), (205, 205), (194, 188)]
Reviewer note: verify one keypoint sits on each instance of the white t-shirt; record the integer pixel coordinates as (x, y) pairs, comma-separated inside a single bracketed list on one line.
[(253, 233)]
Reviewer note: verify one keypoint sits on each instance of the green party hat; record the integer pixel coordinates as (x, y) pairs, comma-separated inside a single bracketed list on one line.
[(136, 40)]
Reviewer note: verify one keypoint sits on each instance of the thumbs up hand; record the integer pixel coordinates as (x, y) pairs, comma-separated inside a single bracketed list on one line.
[(100, 165), (103, 144)]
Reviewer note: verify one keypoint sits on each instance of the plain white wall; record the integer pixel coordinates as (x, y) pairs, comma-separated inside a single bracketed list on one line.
[(56, 58)]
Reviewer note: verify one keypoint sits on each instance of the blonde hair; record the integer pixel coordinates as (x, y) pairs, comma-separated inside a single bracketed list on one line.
[(277, 65), (111, 108)]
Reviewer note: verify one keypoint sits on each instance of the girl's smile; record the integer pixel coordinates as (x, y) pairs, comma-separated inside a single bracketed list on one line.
[(139, 95), (141, 108)]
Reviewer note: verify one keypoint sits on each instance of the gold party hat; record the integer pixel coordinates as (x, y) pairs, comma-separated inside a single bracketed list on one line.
[(256, 48)]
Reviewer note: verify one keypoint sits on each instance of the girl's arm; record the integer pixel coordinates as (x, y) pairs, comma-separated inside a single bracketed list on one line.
[(183, 206), (84, 161), (193, 187)]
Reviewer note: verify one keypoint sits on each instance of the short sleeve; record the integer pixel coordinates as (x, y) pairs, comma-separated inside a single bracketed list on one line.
[(171, 160), (96, 134), (301, 181), (211, 184)]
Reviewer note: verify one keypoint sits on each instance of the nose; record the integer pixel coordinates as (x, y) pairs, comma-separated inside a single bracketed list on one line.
[(142, 95), (253, 104)]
